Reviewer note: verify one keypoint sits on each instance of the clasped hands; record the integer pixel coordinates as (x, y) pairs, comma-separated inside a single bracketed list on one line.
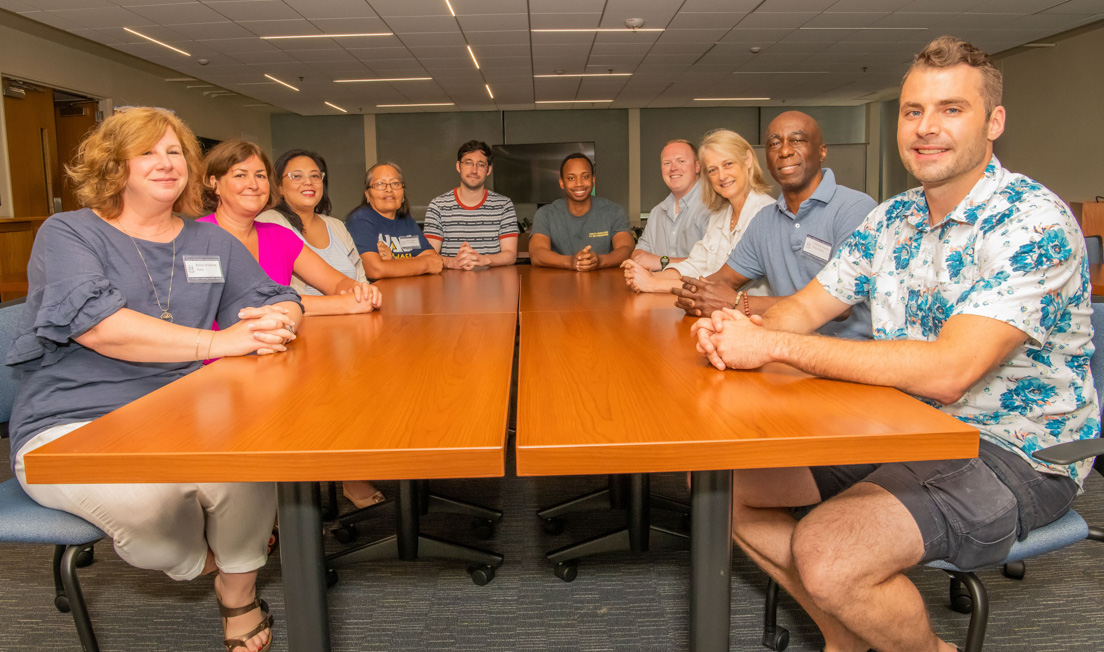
[(700, 297), (730, 340), (637, 276), (262, 330), (363, 293), (467, 258), (585, 260)]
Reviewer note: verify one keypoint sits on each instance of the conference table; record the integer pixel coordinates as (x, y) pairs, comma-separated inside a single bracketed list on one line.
[(609, 383), (346, 401)]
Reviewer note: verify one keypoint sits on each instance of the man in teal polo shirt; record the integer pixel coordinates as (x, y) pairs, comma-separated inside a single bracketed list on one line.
[(580, 232)]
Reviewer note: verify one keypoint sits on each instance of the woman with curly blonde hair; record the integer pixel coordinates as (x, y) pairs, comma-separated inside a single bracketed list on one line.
[(108, 320)]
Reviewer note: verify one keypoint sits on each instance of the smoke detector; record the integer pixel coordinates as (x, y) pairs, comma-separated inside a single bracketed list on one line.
[(634, 23)]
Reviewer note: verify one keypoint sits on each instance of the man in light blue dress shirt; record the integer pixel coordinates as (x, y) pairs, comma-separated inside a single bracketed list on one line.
[(679, 221)]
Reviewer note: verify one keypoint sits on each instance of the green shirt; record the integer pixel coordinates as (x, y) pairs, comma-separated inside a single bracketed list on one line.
[(570, 234)]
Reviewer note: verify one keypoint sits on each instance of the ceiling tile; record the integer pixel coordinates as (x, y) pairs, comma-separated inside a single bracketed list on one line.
[(776, 20), (100, 17), (239, 10), (178, 14), (711, 20), (407, 8), (564, 21), (403, 24), (497, 38), (342, 9), (493, 22), (218, 30), (350, 25)]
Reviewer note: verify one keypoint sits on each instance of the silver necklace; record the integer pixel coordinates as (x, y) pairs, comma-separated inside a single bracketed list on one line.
[(165, 314)]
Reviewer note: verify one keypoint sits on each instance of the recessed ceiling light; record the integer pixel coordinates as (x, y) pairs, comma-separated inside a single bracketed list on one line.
[(277, 38), (587, 74), (569, 101), (392, 106), (731, 99), (488, 87), (334, 106), (153, 40), (601, 29), (389, 79), (474, 60), (282, 82), (449, 5)]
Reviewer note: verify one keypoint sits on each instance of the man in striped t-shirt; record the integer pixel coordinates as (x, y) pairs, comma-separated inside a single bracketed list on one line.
[(469, 225)]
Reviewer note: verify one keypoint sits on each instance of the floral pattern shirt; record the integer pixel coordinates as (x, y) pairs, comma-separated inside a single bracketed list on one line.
[(1009, 251)]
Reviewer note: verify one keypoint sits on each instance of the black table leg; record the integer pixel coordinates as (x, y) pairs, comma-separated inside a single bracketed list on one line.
[(710, 560), (303, 568)]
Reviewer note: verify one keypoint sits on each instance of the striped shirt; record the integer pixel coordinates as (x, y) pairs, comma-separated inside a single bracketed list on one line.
[(482, 226)]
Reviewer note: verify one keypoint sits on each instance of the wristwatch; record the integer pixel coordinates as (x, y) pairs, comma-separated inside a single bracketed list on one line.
[(663, 261)]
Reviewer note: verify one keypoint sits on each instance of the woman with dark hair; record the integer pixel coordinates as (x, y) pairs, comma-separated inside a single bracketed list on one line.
[(236, 187), (388, 238), (304, 207), (107, 321)]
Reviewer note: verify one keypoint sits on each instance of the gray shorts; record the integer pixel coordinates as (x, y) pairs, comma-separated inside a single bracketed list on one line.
[(970, 511)]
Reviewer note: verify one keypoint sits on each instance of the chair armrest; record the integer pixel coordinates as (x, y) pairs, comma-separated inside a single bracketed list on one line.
[(1070, 452)]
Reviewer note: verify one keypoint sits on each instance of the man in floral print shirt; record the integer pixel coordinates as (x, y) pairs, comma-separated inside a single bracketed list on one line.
[(980, 302)]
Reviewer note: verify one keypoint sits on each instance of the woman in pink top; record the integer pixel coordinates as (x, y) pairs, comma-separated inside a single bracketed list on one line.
[(236, 187)]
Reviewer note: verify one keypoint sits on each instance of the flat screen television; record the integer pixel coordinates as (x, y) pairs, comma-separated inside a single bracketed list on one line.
[(530, 173)]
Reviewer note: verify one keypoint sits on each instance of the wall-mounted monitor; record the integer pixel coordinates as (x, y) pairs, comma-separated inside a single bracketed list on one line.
[(530, 173)]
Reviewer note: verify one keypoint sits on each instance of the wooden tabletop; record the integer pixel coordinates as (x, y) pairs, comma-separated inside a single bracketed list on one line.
[(619, 393), (544, 289), (379, 396), (480, 291)]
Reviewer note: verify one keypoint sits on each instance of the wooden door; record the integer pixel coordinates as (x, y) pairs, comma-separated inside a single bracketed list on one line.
[(74, 121), (32, 147)]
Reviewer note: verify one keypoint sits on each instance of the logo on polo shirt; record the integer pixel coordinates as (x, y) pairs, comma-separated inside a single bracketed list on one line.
[(599, 234)]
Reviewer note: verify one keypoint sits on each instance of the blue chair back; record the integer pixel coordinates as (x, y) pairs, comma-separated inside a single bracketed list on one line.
[(1097, 362), (10, 312), (1094, 249)]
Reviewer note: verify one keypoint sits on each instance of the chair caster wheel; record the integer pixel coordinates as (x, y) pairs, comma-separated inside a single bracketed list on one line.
[(553, 526), (61, 603), (481, 574), (1015, 570), (331, 578), (345, 534), (777, 640), (86, 557), (566, 571), (483, 528)]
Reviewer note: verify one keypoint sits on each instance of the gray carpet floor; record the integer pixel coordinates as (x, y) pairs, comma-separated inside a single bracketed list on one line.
[(618, 602)]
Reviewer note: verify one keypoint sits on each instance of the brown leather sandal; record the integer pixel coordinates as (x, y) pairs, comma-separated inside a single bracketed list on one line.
[(266, 623)]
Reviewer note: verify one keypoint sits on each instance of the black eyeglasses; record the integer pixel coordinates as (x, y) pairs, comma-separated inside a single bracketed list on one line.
[(384, 185)]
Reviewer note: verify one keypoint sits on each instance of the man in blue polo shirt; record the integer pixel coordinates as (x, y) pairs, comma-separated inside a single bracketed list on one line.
[(790, 241)]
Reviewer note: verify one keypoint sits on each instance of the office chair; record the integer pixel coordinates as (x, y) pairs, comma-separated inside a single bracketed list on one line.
[(967, 593), (22, 520), (1094, 249)]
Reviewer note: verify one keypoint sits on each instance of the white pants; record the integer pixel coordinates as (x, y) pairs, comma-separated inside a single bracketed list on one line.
[(167, 527)]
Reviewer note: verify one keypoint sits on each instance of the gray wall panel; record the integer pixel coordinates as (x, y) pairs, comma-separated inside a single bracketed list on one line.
[(339, 139), (425, 144)]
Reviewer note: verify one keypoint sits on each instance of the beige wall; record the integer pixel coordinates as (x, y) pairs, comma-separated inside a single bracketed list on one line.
[(35, 52), (1055, 102)]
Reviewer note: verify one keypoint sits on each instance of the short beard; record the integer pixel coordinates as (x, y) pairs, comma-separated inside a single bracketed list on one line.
[(465, 183)]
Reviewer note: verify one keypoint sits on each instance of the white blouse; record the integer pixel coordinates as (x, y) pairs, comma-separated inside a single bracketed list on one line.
[(713, 249)]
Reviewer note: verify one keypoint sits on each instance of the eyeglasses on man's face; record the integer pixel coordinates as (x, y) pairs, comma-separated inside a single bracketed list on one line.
[(299, 177), (478, 165), (385, 185)]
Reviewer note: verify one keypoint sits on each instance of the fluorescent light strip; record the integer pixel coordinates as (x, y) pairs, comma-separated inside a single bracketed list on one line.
[(487, 86), (569, 101), (601, 29), (153, 40), (587, 74), (851, 29), (1039, 45), (334, 106), (282, 83), (391, 79), (278, 38), (393, 106), (731, 99), (474, 60), (449, 5)]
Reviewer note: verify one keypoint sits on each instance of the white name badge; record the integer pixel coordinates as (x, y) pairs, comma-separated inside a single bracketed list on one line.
[(408, 242), (203, 269), (817, 248)]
